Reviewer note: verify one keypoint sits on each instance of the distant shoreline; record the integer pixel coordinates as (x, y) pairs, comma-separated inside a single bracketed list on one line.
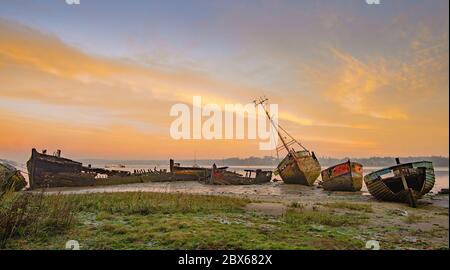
[(271, 161), (438, 161)]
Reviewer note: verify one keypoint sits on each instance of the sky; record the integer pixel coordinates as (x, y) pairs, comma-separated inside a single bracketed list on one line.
[(98, 79)]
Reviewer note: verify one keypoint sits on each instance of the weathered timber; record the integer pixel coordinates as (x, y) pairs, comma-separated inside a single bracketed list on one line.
[(402, 183), (54, 171), (298, 167), (347, 176), (193, 173), (221, 176)]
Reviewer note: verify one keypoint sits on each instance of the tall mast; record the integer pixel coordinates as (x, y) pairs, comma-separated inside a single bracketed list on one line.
[(262, 102)]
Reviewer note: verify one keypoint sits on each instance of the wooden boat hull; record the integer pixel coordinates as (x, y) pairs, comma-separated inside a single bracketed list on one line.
[(346, 176), (190, 173), (11, 179), (224, 177), (386, 184), (52, 171), (135, 178), (303, 170)]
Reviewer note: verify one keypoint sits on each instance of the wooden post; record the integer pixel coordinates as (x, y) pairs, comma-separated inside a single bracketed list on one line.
[(412, 200), (171, 164), (213, 171)]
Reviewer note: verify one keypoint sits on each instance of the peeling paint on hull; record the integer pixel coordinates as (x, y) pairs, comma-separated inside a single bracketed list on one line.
[(346, 176), (303, 169), (419, 176)]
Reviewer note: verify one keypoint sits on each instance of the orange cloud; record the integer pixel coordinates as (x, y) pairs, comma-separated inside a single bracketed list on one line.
[(91, 106)]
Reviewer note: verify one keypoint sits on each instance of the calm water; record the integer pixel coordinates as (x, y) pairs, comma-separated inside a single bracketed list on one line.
[(442, 173)]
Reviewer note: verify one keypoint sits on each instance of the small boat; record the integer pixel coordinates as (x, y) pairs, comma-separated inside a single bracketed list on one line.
[(11, 179), (54, 171), (252, 177), (402, 182), (298, 167), (347, 176)]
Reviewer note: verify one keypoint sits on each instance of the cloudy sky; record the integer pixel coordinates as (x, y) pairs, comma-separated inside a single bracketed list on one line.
[(98, 79)]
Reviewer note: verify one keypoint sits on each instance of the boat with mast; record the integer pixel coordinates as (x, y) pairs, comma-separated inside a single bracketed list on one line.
[(299, 166)]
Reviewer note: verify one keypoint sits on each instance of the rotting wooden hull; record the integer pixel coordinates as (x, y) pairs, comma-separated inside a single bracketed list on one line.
[(419, 177), (138, 178), (303, 169), (193, 174), (52, 171), (346, 176), (190, 173), (11, 179), (224, 177)]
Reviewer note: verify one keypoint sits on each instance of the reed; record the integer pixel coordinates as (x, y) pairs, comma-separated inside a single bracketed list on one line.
[(28, 215)]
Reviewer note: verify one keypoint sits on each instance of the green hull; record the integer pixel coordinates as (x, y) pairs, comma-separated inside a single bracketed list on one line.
[(386, 184)]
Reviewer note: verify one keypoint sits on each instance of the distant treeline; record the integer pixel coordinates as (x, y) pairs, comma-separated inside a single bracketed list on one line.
[(273, 161)]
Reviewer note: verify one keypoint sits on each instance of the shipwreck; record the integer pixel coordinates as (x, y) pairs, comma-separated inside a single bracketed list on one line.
[(402, 183), (299, 166), (190, 173), (54, 171), (221, 176), (347, 176)]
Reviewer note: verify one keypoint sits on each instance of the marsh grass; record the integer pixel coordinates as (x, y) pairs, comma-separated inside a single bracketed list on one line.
[(27, 215), (169, 221), (306, 217), (138, 220), (146, 203), (350, 206), (413, 218)]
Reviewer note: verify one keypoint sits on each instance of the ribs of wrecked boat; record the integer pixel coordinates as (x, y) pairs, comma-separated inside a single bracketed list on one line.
[(298, 167), (347, 176), (220, 176), (402, 182), (193, 173), (54, 171), (11, 179)]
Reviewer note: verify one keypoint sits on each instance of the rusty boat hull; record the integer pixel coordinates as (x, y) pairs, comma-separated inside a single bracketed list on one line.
[(302, 169), (54, 171), (347, 176), (386, 184)]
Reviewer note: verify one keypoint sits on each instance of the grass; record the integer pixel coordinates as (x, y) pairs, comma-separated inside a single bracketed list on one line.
[(412, 219), (24, 215), (139, 220), (350, 206), (323, 218)]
